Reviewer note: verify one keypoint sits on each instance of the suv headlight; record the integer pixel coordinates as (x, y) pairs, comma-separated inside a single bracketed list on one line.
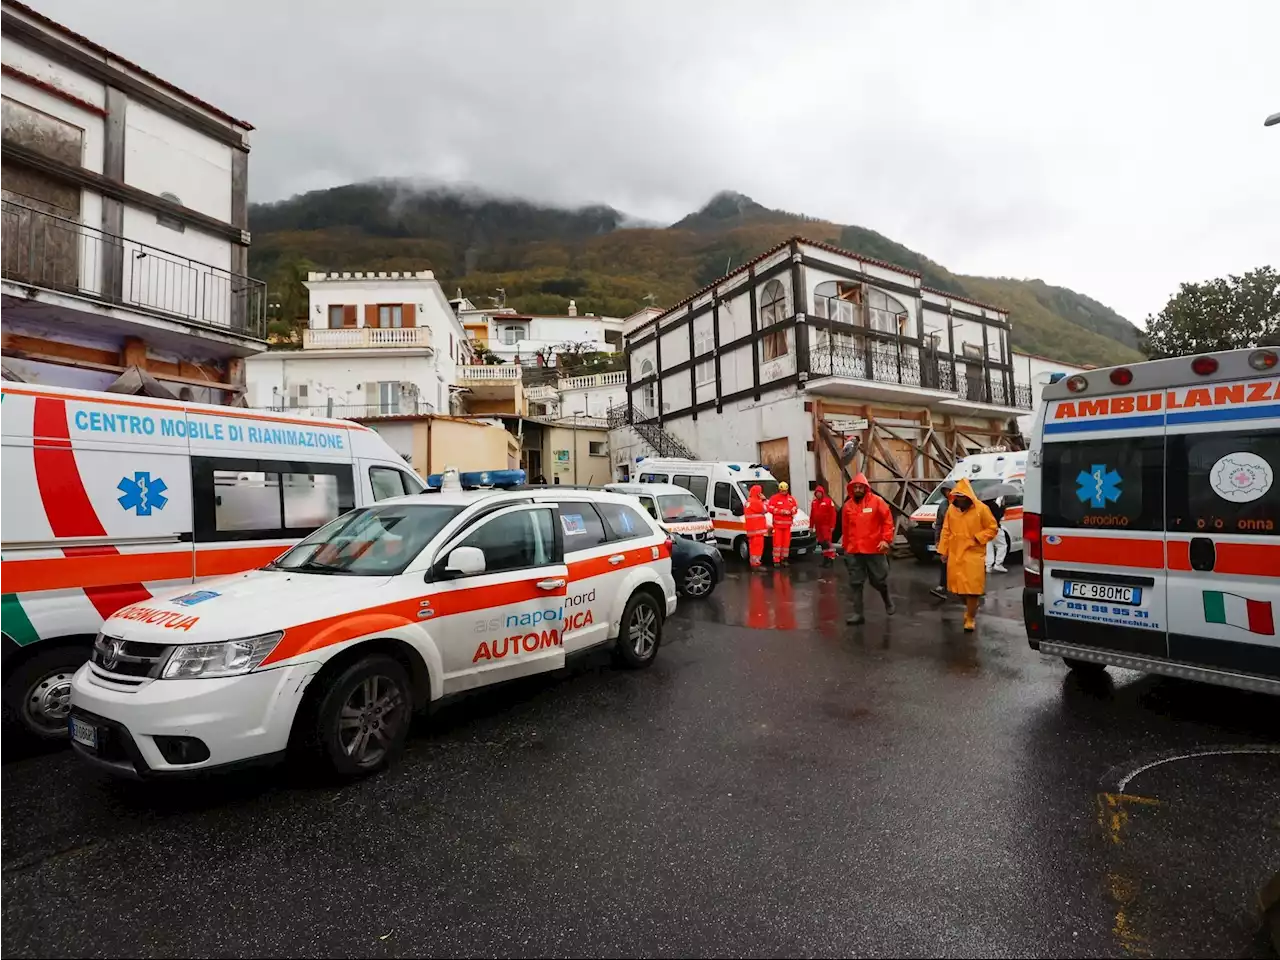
[(231, 658)]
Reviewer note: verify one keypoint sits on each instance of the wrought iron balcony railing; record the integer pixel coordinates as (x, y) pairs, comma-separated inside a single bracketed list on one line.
[(41, 249)]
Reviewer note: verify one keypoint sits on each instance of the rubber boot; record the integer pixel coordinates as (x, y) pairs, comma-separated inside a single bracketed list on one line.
[(889, 607), (857, 616), (970, 614)]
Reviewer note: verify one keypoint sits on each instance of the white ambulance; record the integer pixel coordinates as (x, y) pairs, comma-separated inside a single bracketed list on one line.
[(723, 486), (330, 648), (1152, 519), (984, 470), (109, 499)]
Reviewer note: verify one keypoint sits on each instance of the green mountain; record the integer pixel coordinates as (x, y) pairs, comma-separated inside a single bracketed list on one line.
[(541, 257)]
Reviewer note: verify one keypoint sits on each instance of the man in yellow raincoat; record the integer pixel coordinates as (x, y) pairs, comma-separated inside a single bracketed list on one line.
[(966, 530)]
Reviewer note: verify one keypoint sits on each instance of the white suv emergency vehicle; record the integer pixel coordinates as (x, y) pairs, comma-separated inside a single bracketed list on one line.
[(332, 646), (1152, 521), (110, 500)]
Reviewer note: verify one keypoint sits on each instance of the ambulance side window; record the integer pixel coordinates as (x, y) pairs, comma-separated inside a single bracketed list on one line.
[(649, 507), (1224, 483), (582, 526), (695, 485), (727, 498), (253, 499), (390, 482), (1105, 484)]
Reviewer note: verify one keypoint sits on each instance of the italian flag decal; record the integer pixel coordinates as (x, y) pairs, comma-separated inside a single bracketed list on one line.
[(1236, 611)]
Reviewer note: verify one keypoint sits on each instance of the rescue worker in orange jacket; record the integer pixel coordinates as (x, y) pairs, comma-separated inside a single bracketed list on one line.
[(966, 530), (822, 514), (783, 508), (757, 525), (867, 540)]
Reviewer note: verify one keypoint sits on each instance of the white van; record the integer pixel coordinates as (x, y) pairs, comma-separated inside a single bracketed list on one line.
[(109, 499), (1153, 519), (984, 471), (723, 485)]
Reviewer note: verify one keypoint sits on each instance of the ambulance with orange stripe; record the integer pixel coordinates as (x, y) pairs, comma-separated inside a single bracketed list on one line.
[(111, 499), (1152, 519), (330, 648), (985, 471)]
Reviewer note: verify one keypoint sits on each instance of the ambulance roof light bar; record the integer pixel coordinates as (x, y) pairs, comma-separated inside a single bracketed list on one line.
[(1264, 359)]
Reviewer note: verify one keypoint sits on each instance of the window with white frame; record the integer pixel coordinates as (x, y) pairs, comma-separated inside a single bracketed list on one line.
[(773, 310), (838, 301), (649, 392), (390, 315), (886, 314), (510, 333), (704, 343)]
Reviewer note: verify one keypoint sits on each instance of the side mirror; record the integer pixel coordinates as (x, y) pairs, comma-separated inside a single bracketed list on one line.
[(465, 561), (737, 509)]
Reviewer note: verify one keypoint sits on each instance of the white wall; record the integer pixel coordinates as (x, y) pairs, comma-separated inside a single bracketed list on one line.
[(591, 402), (270, 376), (546, 333)]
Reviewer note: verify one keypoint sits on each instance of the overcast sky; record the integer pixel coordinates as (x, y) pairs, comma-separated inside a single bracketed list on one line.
[(1113, 147)]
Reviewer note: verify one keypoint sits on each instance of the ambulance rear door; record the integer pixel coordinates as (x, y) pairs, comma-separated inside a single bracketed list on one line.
[(1224, 531), (1102, 516)]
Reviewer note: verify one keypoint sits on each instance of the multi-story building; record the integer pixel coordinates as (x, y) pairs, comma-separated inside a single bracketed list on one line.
[(783, 359), (376, 344), (536, 338), (125, 224)]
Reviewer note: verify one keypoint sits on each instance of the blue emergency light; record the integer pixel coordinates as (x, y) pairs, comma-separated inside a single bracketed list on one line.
[(482, 478)]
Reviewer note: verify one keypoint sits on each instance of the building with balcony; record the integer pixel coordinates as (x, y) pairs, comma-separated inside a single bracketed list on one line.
[(124, 224), (376, 344), (808, 345), (535, 339)]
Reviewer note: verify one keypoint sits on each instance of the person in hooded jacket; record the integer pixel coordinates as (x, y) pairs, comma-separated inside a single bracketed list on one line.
[(966, 531), (783, 507), (757, 525), (822, 514), (940, 591), (867, 539)]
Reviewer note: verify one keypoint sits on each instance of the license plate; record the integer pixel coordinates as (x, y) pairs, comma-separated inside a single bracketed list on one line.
[(85, 734), (802, 551), (1106, 592), (932, 548)]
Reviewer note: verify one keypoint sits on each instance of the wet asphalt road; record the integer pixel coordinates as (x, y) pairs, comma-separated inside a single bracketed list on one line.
[(777, 783)]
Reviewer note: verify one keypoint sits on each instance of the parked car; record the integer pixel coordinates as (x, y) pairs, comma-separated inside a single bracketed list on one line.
[(696, 565)]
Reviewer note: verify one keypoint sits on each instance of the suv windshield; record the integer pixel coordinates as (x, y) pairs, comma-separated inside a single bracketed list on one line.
[(374, 542), (979, 487), (767, 487), (679, 507)]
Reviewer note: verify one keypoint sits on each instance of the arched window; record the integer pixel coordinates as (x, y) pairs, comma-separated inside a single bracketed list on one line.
[(773, 310), (173, 223), (649, 392), (885, 314)]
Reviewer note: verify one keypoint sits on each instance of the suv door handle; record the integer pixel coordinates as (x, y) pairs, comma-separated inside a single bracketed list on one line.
[(555, 584), (617, 558)]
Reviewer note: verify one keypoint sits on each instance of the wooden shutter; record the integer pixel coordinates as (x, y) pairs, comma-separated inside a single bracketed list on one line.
[(407, 315), (370, 314), (349, 315)]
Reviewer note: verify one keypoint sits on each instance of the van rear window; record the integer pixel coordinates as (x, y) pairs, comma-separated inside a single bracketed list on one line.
[(1105, 484), (1224, 482)]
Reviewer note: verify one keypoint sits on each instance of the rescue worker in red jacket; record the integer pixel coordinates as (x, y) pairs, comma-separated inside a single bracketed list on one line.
[(757, 525), (783, 507), (867, 540), (822, 514)]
